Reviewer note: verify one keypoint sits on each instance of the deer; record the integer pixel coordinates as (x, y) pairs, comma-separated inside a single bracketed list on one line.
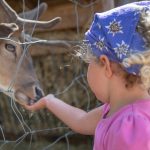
[(17, 75)]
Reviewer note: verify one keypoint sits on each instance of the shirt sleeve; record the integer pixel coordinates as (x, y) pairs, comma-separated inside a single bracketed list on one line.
[(129, 133)]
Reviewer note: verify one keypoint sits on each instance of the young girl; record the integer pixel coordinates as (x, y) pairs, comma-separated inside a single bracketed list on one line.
[(117, 47)]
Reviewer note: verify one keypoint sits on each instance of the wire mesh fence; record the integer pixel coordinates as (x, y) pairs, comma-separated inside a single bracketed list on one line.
[(61, 74)]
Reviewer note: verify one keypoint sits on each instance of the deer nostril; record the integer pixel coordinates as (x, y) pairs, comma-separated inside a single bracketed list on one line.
[(39, 93)]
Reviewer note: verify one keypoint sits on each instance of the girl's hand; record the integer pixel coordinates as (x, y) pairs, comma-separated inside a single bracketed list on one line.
[(42, 103)]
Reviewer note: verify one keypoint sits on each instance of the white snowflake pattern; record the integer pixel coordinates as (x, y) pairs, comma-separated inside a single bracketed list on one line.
[(121, 49), (137, 10), (114, 27), (101, 44), (134, 73), (136, 13), (144, 46), (99, 26)]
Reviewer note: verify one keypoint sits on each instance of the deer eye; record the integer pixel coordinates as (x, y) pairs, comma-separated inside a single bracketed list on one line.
[(10, 48)]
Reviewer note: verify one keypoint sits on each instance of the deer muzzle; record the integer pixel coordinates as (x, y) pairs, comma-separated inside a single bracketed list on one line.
[(29, 96)]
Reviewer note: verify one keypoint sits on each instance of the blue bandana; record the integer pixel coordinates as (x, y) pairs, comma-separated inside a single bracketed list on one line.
[(113, 33)]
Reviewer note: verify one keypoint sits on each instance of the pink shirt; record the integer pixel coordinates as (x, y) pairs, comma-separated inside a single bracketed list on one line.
[(127, 129)]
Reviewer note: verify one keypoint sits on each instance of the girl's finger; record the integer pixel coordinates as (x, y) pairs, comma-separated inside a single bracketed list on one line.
[(36, 106)]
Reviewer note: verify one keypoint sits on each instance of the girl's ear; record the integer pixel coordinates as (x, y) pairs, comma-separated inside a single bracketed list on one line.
[(106, 64)]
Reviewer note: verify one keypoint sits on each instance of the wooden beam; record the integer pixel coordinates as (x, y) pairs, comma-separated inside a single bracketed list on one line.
[(37, 50), (41, 49), (72, 16), (18, 7), (108, 4)]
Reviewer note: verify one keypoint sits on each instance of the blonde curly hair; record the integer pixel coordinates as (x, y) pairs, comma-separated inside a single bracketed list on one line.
[(142, 58)]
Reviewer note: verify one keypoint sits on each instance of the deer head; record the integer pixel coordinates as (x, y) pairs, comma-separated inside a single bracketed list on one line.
[(16, 69)]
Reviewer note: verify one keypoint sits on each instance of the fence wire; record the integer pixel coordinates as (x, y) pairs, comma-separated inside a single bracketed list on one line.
[(64, 76)]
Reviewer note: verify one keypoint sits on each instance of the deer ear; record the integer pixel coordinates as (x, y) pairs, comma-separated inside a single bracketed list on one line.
[(6, 29)]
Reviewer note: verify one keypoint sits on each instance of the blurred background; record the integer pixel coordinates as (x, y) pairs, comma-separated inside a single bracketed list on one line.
[(60, 73)]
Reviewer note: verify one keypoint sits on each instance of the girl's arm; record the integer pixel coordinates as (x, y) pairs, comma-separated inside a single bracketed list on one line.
[(78, 120)]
